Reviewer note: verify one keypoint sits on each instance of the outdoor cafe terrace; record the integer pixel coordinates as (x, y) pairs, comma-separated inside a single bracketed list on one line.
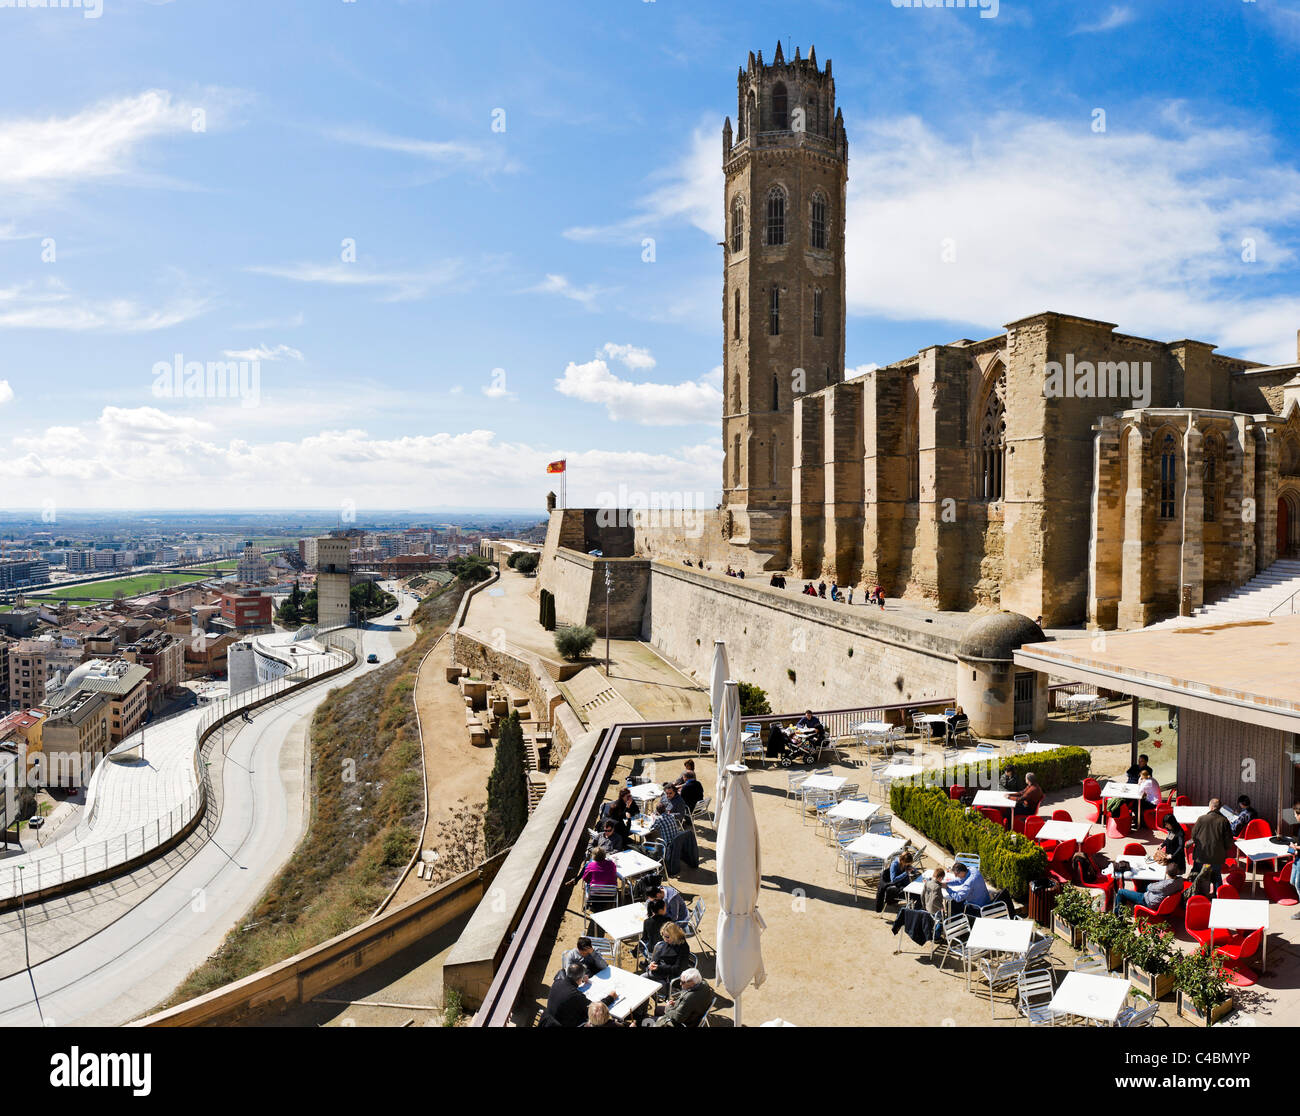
[(830, 960)]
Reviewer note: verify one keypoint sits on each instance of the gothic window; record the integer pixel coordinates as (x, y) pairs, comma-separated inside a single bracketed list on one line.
[(1290, 457), (817, 312), (993, 444), (912, 441), (737, 225), (780, 115), (776, 394), (817, 233), (735, 461), (813, 122), (1212, 478), (1168, 476), (775, 217), (774, 312), (735, 314), (750, 118)]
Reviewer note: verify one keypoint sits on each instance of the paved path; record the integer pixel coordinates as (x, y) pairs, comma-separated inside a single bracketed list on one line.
[(133, 964)]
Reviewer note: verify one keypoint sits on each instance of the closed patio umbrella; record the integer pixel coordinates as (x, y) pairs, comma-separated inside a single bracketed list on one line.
[(740, 926), (718, 676), (728, 743)]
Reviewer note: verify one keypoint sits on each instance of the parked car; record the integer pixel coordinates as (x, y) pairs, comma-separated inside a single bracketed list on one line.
[(372, 658)]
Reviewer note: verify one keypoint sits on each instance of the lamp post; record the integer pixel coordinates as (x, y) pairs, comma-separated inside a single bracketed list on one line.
[(609, 586)]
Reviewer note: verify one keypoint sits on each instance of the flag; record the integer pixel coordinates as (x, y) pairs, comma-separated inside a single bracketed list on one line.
[(556, 466)]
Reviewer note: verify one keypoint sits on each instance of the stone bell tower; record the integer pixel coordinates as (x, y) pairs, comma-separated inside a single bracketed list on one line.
[(786, 167)]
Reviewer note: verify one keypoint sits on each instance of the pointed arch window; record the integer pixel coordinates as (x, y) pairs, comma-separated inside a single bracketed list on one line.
[(737, 225), (735, 461), (735, 314), (814, 119), (993, 443), (775, 224), (912, 441), (817, 320), (817, 229), (776, 394), (774, 312), (780, 110), (1168, 476)]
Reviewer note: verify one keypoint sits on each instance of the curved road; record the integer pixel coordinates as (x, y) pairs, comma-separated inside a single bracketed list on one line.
[(135, 962)]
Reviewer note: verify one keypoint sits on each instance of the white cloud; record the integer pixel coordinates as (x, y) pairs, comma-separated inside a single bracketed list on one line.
[(648, 404), (399, 286), (639, 360), (50, 305), (1137, 228), (264, 352), (691, 192), (6, 392), (559, 285), (447, 154), (1118, 16)]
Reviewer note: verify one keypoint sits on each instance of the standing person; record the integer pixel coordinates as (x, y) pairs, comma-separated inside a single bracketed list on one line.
[(821, 589), (879, 594), (1212, 838), (850, 594)]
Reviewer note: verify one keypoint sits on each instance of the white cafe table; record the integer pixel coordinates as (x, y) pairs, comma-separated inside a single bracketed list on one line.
[(871, 728), (1139, 869), (640, 826), (1063, 831), (646, 791), (631, 864), (900, 771), (621, 923), (971, 756), (917, 887), (1002, 935), (1257, 849), (853, 810), (632, 990), (1091, 996), (823, 782), (1001, 800), (1038, 746), (1121, 790), (876, 844), (1241, 914), (1189, 815)]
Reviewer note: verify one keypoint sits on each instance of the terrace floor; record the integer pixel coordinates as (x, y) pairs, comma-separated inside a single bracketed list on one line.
[(831, 960)]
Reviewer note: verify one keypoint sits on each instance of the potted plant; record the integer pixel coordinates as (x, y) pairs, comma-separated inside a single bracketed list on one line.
[(1070, 915), (1149, 953), (1108, 933), (1204, 996)]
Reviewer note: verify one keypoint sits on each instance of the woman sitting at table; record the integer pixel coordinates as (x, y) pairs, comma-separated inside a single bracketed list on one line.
[(1150, 792), (777, 742), (1172, 851), (670, 955), (657, 918), (1028, 799), (897, 875), (599, 871), (621, 812)]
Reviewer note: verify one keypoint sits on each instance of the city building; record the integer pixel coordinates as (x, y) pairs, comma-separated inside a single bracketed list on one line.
[(23, 572), (124, 684), (76, 737), (253, 569), (246, 612), (164, 656)]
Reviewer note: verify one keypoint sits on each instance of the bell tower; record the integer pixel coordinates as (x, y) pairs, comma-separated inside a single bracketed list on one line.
[(786, 166)]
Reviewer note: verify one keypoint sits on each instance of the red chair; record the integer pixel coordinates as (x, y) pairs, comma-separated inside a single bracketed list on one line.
[(1227, 891), (1236, 878), (1104, 884), (1133, 849), (1092, 799), (1256, 828), (994, 815), (1168, 908), (1059, 864), (1033, 823), (1277, 885), (1120, 827), (1182, 800), (1197, 921), (1093, 844), (955, 793), (1234, 955), (1019, 821), (1061, 815)]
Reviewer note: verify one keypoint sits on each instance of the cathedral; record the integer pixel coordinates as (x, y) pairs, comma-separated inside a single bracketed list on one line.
[(1059, 469)]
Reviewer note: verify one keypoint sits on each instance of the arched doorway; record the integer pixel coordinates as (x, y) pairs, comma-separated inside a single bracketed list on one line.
[(1288, 524)]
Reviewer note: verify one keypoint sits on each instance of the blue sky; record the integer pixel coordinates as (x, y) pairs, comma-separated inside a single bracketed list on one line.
[(195, 169)]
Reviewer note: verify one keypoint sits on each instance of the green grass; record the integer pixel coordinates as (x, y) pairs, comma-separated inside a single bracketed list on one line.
[(128, 586)]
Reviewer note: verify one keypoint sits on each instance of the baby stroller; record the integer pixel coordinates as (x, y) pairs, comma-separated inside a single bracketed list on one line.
[(800, 749)]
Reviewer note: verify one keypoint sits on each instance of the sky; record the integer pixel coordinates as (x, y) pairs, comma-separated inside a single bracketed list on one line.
[(427, 221)]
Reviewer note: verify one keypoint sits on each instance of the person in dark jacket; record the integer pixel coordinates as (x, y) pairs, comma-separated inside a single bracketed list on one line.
[(1212, 838), (670, 956), (657, 915), (691, 791), (621, 812), (897, 875), (566, 1006), (1135, 772), (1246, 813), (1174, 846), (689, 1006)]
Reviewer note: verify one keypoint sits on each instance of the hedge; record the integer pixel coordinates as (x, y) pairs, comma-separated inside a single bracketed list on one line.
[(1006, 859), (1057, 769)]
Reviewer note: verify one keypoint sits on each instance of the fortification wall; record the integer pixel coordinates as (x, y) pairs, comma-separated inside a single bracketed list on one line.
[(839, 657)]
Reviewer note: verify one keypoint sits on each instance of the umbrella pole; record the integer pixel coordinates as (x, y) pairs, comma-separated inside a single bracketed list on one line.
[(737, 1011)]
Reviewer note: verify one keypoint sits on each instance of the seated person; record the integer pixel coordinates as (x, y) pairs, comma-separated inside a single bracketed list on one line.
[(1028, 799), (777, 742), (674, 904), (621, 812), (671, 801), (1154, 894), (610, 840), (598, 1016), (666, 826), (896, 876), (689, 1006), (670, 956), (566, 1006), (1150, 794), (688, 773), (1083, 870), (584, 954), (1135, 772), (809, 724), (691, 792), (967, 891), (599, 870), (1246, 813), (932, 895), (1173, 849), (657, 915)]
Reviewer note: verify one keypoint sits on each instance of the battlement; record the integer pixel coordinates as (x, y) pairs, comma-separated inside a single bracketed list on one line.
[(791, 96)]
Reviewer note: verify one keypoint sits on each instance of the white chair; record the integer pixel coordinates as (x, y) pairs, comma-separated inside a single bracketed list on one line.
[(1036, 991), (999, 974), (971, 860), (793, 781), (866, 870), (706, 740), (1137, 1017), (1039, 954)]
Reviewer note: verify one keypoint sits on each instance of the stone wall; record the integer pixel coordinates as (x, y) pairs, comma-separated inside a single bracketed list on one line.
[(578, 582)]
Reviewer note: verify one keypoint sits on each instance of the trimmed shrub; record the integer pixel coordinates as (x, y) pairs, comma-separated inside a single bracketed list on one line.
[(573, 642), (1059, 768), (525, 561), (546, 610), (1006, 859)]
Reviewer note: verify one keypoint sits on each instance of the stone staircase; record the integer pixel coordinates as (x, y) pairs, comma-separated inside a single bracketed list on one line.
[(1276, 588)]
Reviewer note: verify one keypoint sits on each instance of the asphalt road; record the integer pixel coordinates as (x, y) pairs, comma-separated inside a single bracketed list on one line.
[(135, 962)]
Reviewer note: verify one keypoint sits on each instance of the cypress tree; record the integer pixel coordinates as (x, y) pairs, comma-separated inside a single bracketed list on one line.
[(507, 803)]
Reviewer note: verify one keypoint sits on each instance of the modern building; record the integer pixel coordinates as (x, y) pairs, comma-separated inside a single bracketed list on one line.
[(333, 582), (125, 684), (164, 656), (21, 573), (76, 736), (246, 611)]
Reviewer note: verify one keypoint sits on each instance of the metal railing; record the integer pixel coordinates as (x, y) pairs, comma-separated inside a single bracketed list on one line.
[(1289, 604), (58, 867)]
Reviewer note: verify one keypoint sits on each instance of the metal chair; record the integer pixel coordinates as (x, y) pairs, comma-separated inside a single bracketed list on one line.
[(793, 781), (816, 801), (1137, 1017), (706, 740), (999, 974), (956, 929), (1090, 961), (881, 824), (971, 860), (1036, 991), (1039, 954), (995, 910), (865, 869)]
